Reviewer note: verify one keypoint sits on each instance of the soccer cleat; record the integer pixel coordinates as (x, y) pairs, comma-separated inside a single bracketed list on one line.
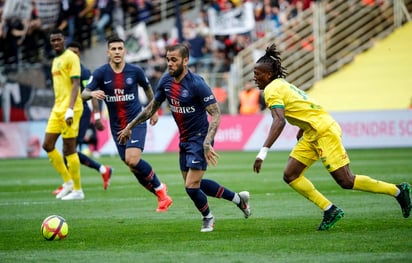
[(330, 217), (207, 224), (74, 195), (58, 189), (66, 188), (404, 199), (163, 200), (164, 204), (106, 177), (244, 203)]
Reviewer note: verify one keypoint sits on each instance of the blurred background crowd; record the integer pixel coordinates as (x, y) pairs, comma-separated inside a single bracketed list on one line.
[(316, 38), (25, 25)]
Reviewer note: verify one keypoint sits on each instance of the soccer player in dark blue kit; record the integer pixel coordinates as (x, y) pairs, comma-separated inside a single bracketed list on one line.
[(116, 83), (191, 100)]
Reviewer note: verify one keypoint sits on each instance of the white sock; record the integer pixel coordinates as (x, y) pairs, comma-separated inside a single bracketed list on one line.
[(159, 187), (236, 199), (208, 216), (328, 207), (102, 169)]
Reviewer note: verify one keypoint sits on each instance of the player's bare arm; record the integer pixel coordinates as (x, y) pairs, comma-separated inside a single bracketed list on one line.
[(75, 91), (214, 112), (87, 94), (278, 123), (96, 114), (148, 112), (149, 95)]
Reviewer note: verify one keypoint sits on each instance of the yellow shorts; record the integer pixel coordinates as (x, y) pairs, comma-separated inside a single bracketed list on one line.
[(328, 148), (57, 124)]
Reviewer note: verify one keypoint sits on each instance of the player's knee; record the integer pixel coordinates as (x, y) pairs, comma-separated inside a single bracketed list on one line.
[(131, 161), (47, 147), (288, 177), (345, 184)]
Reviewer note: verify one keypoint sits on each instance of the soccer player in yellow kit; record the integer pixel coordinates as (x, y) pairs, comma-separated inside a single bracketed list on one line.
[(319, 137), (64, 117)]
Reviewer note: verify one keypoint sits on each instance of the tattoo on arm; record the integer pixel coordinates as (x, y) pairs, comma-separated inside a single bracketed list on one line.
[(214, 112), (149, 93), (148, 112)]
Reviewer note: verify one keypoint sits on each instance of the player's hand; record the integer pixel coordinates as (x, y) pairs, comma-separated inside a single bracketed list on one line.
[(99, 125), (154, 119), (257, 165), (68, 117), (124, 135), (210, 154), (98, 94)]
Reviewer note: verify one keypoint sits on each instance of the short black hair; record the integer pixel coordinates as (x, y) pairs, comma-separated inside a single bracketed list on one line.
[(56, 31), (183, 49), (75, 44), (114, 39)]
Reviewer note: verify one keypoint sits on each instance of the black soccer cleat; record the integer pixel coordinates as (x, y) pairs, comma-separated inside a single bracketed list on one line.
[(404, 199), (330, 217)]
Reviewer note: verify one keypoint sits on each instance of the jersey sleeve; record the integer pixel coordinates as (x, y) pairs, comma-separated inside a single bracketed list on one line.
[(93, 83), (274, 97), (74, 65), (204, 92), (143, 81), (160, 94)]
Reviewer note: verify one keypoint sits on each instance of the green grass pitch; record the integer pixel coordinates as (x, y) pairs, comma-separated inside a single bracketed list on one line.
[(121, 225)]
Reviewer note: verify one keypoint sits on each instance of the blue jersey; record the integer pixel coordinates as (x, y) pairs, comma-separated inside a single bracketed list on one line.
[(84, 78), (188, 100), (86, 115), (121, 91)]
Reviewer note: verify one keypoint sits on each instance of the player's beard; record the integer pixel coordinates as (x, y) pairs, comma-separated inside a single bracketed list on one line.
[(177, 72)]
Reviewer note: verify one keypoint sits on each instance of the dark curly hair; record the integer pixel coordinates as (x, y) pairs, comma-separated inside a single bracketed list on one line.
[(273, 60)]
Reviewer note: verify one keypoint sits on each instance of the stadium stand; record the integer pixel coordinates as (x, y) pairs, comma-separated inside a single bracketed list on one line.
[(379, 78)]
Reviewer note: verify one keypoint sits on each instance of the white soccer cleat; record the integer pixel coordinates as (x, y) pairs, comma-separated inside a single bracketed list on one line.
[(207, 224), (74, 195), (67, 188), (244, 203)]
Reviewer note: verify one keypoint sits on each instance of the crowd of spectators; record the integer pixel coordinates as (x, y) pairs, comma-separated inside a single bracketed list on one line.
[(25, 40), (81, 19)]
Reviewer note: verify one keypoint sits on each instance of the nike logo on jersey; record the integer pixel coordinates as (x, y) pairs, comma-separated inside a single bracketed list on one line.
[(107, 82), (194, 161), (134, 141)]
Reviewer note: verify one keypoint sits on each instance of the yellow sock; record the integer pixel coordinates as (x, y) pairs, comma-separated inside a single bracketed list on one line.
[(367, 184), (56, 160), (73, 162), (305, 187)]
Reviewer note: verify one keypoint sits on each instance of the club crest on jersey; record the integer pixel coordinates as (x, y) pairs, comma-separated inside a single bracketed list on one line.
[(129, 81), (185, 93)]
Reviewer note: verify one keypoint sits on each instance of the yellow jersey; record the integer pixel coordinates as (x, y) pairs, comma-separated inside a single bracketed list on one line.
[(65, 67), (300, 109)]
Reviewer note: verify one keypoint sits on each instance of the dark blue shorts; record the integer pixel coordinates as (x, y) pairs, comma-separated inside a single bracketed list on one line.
[(137, 140), (84, 123), (191, 155)]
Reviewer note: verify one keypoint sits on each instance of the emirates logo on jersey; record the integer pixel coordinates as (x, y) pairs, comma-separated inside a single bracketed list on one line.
[(120, 95)]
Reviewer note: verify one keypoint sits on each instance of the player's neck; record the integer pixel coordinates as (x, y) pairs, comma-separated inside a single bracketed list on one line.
[(181, 76), (117, 67)]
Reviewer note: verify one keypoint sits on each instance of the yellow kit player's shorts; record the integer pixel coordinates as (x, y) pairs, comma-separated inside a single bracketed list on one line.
[(57, 124), (327, 147)]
